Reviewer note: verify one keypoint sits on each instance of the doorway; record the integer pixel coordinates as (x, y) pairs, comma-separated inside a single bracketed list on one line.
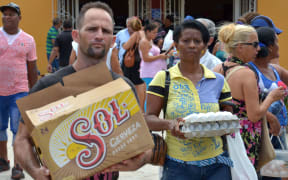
[(218, 11)]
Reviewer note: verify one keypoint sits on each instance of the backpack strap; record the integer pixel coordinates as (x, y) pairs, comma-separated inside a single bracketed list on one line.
[(166, 91)]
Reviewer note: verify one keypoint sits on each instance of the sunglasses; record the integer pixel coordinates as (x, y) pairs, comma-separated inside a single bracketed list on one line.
[(254, 44)]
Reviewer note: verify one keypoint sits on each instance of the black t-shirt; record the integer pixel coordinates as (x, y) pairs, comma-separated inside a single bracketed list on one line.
[(57, 77), (64, 42)]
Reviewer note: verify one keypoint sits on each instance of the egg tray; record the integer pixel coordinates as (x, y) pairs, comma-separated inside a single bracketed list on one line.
[(209, 124), (210, 129), (275, 168)]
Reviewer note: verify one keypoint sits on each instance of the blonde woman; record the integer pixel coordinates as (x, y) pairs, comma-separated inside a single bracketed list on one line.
[(242, 44)]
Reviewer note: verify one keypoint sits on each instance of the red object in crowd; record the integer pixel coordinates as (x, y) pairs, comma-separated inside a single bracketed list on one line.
[(281, 84)]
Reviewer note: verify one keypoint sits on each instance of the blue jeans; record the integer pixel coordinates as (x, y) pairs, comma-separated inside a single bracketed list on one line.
[(173, 170), (9, 110), (55, 64)]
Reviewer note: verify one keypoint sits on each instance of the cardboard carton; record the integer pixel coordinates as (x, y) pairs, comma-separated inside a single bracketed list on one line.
[(78, 136)]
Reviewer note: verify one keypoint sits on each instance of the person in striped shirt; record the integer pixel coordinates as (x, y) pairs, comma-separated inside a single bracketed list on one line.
[(50, 40)]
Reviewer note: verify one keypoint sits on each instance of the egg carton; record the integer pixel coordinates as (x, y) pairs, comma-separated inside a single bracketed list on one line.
[(210, 129), (210, 117), (209, 124), (275, 168)]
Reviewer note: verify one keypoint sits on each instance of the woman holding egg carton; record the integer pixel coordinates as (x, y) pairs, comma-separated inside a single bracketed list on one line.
[(193, 89)]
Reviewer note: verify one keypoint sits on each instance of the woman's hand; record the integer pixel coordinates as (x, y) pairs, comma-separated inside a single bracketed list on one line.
[(163, 56), (273, 123), (277, 94), (174, 127)]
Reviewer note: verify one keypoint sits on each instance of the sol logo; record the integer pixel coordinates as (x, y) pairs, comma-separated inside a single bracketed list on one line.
[(80, 133)]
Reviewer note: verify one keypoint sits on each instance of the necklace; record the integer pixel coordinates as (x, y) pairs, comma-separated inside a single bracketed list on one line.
[(236, 60)]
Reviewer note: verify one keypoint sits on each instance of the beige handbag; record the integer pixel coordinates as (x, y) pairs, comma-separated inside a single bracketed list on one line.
[(267, 152)]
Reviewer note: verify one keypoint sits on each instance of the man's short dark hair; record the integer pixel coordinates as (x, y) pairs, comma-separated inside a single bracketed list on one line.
[(98, 5), (67, 24), (170, 17), (56, 21)]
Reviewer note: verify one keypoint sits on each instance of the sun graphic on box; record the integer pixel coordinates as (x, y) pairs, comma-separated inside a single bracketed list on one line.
[(63, 149)]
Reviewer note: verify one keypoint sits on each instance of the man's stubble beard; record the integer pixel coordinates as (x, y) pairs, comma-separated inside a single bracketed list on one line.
[(93, 54)]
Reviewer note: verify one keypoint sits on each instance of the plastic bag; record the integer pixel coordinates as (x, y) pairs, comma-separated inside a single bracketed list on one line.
[(243, 168), (168, 41)]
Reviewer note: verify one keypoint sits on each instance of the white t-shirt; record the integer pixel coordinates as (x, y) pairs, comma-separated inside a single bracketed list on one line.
[(209, 60), (10, 38)]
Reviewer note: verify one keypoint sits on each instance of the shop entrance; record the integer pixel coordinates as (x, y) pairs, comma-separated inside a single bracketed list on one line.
[(71, 8)]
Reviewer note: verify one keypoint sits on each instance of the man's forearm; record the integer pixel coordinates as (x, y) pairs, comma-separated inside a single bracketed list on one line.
[(27, 160), (24, 152), (32, 73), (53, 55)]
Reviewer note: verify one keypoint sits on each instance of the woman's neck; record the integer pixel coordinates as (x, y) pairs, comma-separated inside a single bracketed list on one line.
[(236, 60), (239, 56), (262, 62), (187, 67), (193, 71)]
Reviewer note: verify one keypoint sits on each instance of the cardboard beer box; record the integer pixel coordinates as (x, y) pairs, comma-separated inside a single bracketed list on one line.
[(79, 135)]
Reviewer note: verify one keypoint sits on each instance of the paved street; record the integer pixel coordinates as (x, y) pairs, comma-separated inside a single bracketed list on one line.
[(147, 172)]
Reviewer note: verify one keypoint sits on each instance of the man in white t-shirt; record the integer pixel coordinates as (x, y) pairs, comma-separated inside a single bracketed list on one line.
[(208, 59)]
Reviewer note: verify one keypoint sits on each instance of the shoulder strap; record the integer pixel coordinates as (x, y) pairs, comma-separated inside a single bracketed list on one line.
[(166, 91), (232, 71), (254, 70), (276, 73)]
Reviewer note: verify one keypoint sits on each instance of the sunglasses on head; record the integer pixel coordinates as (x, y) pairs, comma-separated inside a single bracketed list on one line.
[(254, 44)]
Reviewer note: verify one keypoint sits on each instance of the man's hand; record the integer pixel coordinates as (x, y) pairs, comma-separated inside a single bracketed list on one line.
[(49, 68), (42, 173), (273, 123), (133, 163)]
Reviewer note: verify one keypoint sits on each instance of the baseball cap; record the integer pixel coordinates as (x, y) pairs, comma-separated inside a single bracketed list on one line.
[(12, 6), (188, 17), (264, 21)]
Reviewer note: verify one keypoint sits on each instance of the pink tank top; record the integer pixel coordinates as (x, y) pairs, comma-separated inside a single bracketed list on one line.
[(149, 69)]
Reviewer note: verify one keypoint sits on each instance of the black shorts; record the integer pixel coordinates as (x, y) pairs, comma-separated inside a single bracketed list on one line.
[(133, 73)]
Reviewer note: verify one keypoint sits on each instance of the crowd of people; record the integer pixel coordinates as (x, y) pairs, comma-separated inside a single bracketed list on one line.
[(180, 70)]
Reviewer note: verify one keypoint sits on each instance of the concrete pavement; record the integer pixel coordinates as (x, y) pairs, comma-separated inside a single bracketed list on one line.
[(7, 174), (147, 172)]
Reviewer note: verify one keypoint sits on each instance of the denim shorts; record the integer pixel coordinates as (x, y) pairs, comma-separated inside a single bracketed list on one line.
[(9, 110), (173, 170)]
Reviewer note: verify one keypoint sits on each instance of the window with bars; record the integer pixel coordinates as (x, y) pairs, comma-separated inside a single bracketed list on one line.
[(248, 6)]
